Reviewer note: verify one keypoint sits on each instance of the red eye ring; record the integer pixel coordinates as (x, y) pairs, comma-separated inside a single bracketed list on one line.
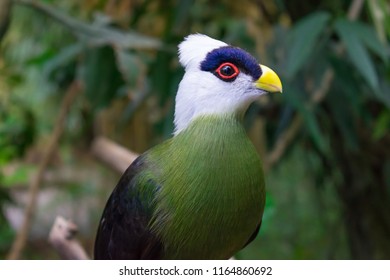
[(227, 71)]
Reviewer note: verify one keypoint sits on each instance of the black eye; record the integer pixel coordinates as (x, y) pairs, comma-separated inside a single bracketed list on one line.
[(227, 71)]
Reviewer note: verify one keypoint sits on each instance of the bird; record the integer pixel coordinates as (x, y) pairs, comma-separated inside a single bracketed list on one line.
[(201, 193)]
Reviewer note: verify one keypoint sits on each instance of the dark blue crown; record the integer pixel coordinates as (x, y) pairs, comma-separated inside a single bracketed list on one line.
[(237, 56)]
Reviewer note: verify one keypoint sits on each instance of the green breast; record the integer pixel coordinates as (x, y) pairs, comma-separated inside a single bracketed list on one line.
[(212, 194)]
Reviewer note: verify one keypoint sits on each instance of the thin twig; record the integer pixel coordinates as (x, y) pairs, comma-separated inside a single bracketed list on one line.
[(21, 237), (61, 237), (5, 11), (291, 132), (280, 146), (355, 9)]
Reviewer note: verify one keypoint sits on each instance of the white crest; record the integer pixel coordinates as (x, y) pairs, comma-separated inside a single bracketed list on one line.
[(194, 49)]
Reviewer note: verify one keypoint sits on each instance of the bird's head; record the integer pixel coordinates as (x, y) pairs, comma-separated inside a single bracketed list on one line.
[(219, 79)]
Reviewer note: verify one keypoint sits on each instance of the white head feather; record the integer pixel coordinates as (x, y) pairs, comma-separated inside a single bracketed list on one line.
[(201, 92), (194, 49)]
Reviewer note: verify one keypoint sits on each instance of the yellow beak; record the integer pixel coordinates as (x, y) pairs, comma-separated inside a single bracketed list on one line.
[(269, 81)]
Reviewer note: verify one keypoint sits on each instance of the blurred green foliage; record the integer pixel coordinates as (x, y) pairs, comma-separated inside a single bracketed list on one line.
[(328, 194)]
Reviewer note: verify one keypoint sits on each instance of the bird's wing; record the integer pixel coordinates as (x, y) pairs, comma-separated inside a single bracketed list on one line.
[(123, 231), (254, 234)]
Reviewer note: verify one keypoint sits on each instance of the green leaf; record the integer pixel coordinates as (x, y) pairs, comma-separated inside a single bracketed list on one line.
[(383, 94), (129, 65), (269, 209), (101, 75), (357, 51), (63, 57), (370, 38), (380, 18), (305, 35), (294, 98), (133, 70), (382, 125)]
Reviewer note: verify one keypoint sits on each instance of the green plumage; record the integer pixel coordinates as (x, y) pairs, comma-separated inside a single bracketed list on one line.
[(211, 194)]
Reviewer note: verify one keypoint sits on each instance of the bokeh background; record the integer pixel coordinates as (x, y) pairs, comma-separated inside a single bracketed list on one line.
[(72, 72)]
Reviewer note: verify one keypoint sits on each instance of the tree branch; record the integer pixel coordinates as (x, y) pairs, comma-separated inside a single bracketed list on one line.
[(112, 154), (62, 238), (94, 34), (21, 237), (5, 10)]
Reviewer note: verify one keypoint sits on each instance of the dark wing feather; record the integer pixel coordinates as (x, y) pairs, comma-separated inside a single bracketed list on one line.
[(123, 230), (254, 234)]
